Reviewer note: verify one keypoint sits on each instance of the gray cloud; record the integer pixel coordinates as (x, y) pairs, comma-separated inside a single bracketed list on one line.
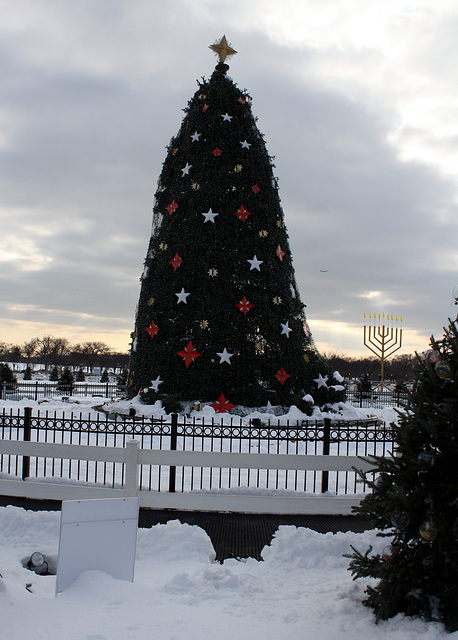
[(91, 94)]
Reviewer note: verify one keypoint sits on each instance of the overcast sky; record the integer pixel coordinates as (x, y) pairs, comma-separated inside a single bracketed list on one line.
[(358, 101)]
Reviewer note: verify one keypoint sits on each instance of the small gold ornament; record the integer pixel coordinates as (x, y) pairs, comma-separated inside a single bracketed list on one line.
[(223, 49), (259, 347), (163, 246), (443, 369), (175, 151), (263, 233), (213, 272), (204, 324), (195, 186), (197, 406), (238, 168), (279, 224), (428, 531), (306, 358), (277, 300), (151, 301), (129, 382), (202, 96)]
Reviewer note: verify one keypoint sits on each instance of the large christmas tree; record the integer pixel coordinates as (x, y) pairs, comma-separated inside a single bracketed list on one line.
[(415, 499), (219, 316)]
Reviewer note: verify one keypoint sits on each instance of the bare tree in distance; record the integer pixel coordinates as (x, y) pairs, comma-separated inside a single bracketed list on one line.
[(29, 348), (92, 351), (52, 350)]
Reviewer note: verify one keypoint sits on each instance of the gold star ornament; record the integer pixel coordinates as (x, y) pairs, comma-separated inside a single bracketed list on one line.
[(223, 49)]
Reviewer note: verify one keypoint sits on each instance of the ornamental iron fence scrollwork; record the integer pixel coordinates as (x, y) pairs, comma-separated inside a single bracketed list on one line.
[(306, 437)]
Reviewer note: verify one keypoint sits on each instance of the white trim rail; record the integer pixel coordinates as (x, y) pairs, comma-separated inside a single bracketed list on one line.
[(132, 457)]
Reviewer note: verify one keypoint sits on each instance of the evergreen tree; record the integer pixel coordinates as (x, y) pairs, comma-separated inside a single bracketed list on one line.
[(219, 314), (415, 499), (6, 374), (104, 377), (80, 376), (364, 385), (54, 375), (66, 380), (27, 373), (121, 378)]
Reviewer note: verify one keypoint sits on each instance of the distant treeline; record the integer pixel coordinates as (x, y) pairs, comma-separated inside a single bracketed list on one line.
[(58, 352), (397, 369)]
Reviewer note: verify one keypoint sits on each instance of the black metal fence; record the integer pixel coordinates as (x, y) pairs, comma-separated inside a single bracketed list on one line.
[(308, 437), (37, 390), (376, 398)]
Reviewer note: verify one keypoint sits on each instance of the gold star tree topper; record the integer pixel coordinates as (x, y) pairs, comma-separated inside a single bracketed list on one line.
[(223, 49)]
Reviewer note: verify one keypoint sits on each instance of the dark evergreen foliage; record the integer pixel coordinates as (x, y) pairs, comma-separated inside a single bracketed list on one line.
[(6, 374), (200, 267), (121, 378), (414, 499), (364, 384), (27, 373), (66, 379), (54, 375)]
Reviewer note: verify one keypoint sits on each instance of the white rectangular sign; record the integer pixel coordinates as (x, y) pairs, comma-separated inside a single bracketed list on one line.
[(97, 535)]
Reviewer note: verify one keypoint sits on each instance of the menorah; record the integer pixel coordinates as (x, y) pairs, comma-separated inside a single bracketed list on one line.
[(382, 337)]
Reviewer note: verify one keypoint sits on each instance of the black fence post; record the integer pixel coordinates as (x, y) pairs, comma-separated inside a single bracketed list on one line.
[(173, 447), (2, 388), (27, 433), (326, 449)]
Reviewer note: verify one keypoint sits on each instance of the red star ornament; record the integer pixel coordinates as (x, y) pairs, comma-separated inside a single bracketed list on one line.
[(176, 262), (152, 329), (205, 107), (222, 405), (256, 189), (217, 152), (244, 305), (242, 213), (241, 100), (172, 207), (280, 252), (189, 354), (282, 376)]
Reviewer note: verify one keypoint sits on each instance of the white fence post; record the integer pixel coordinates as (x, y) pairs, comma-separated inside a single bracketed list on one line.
[(132, 470)]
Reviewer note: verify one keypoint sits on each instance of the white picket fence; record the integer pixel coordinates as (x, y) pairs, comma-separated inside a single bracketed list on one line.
[(132, 457)]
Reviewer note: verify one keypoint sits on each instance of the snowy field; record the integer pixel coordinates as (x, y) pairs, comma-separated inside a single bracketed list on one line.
[(85, 406), (302, 589)]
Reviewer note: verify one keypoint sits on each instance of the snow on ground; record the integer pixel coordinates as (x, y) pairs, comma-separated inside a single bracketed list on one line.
[(302, 590), (89, 406)]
